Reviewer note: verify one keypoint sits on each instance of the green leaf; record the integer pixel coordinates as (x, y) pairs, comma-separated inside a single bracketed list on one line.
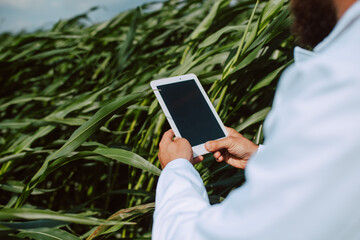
[(15, 124), (215, 36), (66, 121), (51, 53), (24, 99), (11, 157), (76, 104), (240, 50), (93, 124), (128, 158), (36, 224), (77, 138), (270, 10), (26, 143), (17, 187), (255, 118), (47, 234), (10, 214), (208, 20), (120, 215), (268, 79)]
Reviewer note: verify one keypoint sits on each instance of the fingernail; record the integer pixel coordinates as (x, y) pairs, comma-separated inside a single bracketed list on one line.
[(208, 146)]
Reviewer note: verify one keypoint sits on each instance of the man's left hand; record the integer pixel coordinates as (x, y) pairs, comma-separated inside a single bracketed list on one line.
[(170, 149)]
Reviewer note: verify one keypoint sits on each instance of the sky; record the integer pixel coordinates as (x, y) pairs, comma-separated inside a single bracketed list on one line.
[(29, 15)]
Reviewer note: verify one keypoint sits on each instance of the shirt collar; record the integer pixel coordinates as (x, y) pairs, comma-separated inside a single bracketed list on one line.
[(301, 54), (347, 19)]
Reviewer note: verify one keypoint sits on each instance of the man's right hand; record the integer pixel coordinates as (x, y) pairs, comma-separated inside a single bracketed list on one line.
[(234, 149)]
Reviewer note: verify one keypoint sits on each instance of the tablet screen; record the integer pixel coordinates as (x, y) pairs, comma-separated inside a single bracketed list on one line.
[(190, 112)]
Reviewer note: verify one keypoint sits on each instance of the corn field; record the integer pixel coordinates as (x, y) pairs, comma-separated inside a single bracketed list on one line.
[(80, 126)]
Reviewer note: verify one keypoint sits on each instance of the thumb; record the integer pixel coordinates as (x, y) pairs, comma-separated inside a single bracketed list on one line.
[(216, 145)]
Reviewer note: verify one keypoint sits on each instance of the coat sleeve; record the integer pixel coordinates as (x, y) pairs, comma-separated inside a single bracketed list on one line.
[(180, 198)]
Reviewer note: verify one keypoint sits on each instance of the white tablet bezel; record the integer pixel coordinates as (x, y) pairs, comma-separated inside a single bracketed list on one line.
[(198, 150)]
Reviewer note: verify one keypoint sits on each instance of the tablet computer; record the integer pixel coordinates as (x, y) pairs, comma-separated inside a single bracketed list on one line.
[(189, 111)]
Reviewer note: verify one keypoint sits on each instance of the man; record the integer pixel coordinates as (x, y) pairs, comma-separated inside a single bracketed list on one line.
[(303, 184)]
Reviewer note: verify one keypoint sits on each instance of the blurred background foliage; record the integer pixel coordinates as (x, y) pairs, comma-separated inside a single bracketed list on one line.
[(79, 125)]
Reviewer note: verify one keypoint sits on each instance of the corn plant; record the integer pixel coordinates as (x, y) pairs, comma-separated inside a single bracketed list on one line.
[(80, 125)]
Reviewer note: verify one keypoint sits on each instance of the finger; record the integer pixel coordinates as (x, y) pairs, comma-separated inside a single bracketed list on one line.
[(198, 159), (167, 137), (217, 145), (219, 157), (181, 140), (178, 139), (232, 132), (226, 156), (217, 154)]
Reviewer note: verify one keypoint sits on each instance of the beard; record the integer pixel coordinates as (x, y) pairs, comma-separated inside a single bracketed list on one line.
[(313, 20)]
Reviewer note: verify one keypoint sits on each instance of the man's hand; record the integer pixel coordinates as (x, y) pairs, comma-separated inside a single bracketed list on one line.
[(170, 149), (234, 149)]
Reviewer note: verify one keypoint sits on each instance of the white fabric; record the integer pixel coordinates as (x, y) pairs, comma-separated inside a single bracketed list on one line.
[(305, 183)]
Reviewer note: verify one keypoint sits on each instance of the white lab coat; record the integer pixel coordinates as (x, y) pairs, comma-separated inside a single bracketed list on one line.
[(305, 183)]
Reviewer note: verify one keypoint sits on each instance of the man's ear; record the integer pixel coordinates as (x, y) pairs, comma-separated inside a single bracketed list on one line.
[(342, 6)]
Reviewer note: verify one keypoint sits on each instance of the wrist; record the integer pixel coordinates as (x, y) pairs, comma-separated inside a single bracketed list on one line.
[(178, 161)]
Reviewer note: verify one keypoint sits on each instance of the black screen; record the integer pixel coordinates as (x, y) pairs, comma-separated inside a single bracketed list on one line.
[(190, 112)]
